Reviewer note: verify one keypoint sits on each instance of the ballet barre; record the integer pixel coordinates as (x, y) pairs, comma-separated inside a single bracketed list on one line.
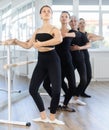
[(4, 90), (8, 68)]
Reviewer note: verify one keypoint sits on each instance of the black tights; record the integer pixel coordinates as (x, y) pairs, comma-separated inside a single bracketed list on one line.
[(48, 64), (67, 72)]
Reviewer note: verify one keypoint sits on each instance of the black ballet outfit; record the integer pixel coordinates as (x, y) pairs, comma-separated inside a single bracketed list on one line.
[(80, 59), (48, 64)]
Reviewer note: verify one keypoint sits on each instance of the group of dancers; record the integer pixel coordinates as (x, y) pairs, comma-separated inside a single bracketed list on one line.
[(60, 52)]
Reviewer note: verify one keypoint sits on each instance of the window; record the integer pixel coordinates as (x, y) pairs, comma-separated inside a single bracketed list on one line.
[(105, 30), (96, 20), (95, 12)]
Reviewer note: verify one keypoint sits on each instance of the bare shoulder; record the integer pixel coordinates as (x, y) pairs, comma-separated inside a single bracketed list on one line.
[(36, 31), (55, 30)]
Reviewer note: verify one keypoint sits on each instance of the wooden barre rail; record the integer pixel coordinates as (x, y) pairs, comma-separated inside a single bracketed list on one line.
[(6, 66)]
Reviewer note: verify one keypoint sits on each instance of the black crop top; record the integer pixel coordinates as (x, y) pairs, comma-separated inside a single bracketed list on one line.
[(43, 37)]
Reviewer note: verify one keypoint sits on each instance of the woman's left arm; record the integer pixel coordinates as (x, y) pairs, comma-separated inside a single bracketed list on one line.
[(76, 47), (57, 39), (86, 46), (93, 37)]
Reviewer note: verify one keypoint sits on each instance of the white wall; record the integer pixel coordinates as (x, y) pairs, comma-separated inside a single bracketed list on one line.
[(100, 64)]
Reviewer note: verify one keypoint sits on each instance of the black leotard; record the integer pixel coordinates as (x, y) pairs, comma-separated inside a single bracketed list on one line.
[(43, 37)]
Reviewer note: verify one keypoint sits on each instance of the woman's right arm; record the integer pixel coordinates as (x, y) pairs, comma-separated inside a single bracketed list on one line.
[(69, 34), (28, 44)]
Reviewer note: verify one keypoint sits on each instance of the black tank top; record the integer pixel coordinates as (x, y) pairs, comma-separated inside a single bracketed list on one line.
[(44, 37)]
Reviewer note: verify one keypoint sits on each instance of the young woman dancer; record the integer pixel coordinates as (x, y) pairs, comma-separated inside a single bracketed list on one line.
[(79, 44), (67, 68), (44, 39), (91, 37)]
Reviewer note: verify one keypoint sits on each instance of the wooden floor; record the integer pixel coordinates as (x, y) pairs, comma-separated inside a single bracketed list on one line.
[(93, 116)]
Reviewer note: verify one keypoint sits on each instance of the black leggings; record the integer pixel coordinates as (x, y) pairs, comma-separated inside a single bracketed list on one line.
[(88, 68), (67, 70), (68, 73), (48, 64), (79, 64)]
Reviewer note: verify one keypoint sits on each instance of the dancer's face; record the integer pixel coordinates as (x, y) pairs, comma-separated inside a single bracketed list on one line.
[(64, 18), (46, 13), (73, 23), (81, 24)]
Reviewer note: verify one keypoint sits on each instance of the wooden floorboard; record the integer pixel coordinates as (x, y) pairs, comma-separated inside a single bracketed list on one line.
[(93, 116)]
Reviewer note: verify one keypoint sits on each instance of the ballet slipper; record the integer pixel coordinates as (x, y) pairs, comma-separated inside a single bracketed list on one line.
[(56, 121), (40, 120)]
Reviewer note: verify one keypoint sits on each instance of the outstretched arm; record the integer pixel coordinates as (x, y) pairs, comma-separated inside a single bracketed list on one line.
[(93, 37), (27, 44)]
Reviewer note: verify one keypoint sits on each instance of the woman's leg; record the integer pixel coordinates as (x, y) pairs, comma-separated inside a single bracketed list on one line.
[(46, 85), (55, 78), (81, 68), (71, 87), (89, 74), (36, 80)]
